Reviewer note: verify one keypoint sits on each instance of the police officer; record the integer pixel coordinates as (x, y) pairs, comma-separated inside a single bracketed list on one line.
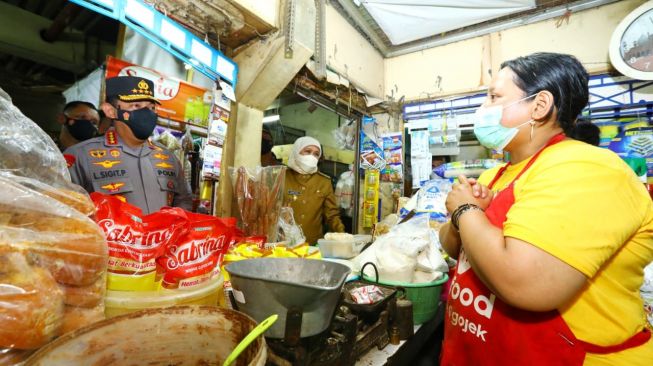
[(124, 162), (79, 122)]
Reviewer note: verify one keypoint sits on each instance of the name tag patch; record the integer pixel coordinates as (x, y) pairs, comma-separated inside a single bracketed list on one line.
[(109, 174)]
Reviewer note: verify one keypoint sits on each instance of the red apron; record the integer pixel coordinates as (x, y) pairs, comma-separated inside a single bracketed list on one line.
[(480, 329)]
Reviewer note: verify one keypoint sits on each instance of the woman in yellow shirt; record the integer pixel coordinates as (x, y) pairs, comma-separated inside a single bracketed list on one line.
[(551, 246)]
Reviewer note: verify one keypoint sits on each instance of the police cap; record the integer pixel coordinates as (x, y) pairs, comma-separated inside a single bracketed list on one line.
[(130, 89)]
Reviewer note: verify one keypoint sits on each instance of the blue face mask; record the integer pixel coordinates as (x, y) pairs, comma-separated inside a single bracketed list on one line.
[(488, 128)]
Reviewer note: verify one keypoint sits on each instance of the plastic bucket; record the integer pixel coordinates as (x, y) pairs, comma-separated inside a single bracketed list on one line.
[(424, 296), (122, 302)]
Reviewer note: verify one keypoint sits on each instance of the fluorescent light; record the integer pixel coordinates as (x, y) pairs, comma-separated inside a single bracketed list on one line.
[(107, 3), (140, 13), (200, 52), (271, 118), (225, 68), (173, 34)]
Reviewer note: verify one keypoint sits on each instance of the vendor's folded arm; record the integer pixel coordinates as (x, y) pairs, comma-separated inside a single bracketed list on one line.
[(450, 240), (518, 272)]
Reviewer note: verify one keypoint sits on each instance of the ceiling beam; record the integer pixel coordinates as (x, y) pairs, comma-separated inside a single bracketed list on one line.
[(354, 15), (20, 36)]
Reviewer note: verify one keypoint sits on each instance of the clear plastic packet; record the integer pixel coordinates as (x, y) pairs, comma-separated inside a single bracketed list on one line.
[(27, 150), (289, 231), (345, 136), (73, 196), (51, 253), (259, 194), (48, 251)]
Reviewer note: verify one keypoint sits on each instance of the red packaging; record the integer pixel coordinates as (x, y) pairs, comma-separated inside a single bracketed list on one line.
[(196, 256), (135, 241)]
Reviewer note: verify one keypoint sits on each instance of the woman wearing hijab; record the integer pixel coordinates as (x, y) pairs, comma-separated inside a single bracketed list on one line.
[(551, 246), (310, 193)]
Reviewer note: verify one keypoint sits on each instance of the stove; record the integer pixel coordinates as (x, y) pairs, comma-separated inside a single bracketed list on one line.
[(348, 337)]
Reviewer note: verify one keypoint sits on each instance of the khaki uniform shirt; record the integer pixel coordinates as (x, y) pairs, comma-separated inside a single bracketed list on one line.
[(148, 176), (313, 202)]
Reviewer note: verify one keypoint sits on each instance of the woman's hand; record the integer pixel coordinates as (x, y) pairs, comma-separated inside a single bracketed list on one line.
[(468, 190)]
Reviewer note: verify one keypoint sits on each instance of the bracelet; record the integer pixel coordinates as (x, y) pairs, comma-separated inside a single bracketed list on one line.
[(460, 210)]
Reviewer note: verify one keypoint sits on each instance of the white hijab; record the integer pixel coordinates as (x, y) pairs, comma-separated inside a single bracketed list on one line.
[(295, 160)]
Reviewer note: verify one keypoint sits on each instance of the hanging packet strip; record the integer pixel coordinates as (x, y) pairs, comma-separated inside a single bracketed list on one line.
[(196, 257), (135, 241)]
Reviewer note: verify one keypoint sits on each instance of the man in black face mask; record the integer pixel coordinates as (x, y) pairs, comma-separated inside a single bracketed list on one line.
[(267, 143), (79, 122), (124, 162)]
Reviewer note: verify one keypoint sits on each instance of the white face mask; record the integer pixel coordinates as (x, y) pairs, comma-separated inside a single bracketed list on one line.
[(307, 163)]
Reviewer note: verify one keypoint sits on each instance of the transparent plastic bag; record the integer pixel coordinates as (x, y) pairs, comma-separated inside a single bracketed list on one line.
[(259, 194), (51, 255), (27, 150), (289, 231), (345, 136), (408, 248)]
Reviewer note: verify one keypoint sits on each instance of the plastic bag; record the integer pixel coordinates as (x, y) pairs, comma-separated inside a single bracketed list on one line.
[(408, 248), (50, 254), (53, 258), (289, 231), (259, 193), (27, 150), (345, 192), (345, 136)]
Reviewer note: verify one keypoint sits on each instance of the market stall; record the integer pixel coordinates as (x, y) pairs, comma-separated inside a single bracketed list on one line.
[(94, 279)]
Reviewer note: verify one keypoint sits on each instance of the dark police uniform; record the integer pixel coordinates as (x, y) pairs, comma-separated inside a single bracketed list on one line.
[(149, 176)]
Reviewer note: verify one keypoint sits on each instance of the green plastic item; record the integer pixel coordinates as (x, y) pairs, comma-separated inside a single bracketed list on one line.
[(424, 296), (257, 331)]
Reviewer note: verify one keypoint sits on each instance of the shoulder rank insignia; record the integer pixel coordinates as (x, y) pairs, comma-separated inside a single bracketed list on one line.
[(70, 159), (153, 146), (110, 138), (98, 154), (161, 156), (164, 165), (107, 163), (112, 187)]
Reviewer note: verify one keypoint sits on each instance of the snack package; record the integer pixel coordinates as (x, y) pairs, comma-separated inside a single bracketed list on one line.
[(196, 256), (135, 241), (259, 193), (366, 294), (48, 244)]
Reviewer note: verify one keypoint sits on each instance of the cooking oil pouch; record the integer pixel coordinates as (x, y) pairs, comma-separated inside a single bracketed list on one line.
[(135, 241)]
